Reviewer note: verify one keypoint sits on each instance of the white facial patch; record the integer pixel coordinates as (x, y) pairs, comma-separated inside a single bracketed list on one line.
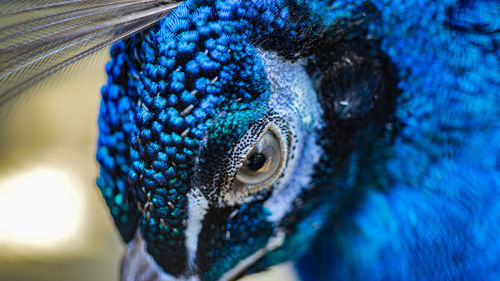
[(197, 209), (294, 98), (273, 243)]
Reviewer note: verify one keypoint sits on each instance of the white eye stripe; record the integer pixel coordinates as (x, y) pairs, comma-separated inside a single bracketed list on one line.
[(197, 209), (295, 100)]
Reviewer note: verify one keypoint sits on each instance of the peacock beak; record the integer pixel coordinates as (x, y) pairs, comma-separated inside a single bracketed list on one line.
[(139, 265)]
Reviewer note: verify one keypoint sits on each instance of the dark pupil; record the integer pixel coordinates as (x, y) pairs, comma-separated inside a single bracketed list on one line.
[(256, 161)]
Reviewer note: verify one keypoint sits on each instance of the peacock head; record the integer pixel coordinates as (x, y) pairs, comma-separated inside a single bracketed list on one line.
[(210, 141)]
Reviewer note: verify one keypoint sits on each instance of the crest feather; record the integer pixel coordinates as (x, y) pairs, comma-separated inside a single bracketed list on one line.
[(39, 38)]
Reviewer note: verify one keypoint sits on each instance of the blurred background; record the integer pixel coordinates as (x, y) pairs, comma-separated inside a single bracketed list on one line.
[(54, 225)]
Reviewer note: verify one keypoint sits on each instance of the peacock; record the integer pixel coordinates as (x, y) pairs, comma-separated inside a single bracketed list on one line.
[(359, 139)]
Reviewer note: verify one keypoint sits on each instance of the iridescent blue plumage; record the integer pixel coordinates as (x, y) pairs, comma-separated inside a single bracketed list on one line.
[(196, 64), (389, 112), (436, 217)]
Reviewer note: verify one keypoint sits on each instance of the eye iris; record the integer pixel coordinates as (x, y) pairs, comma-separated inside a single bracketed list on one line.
[(256, 161), (262, 163)]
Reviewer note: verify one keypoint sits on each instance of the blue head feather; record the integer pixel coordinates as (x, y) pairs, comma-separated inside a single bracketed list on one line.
[(434, 218), (186, 91), (407, 170)]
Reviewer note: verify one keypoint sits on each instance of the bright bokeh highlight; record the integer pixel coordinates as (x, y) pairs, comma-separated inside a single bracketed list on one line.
[(40, 209)]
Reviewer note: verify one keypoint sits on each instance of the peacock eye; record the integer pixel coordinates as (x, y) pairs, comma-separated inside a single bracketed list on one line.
[(262, 165)]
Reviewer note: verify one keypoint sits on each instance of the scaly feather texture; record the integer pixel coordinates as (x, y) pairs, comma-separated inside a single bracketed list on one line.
[(360, 139), (392, 128)]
